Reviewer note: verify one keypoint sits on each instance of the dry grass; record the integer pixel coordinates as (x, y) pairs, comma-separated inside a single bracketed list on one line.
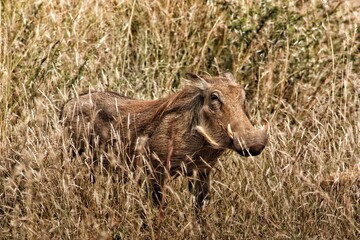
[(300, 64)]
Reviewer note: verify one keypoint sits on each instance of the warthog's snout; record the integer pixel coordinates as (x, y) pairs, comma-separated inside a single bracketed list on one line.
[(249, 143)]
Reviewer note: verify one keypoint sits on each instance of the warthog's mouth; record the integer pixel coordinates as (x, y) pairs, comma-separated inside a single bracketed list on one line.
[(255, 144), (252, 151)]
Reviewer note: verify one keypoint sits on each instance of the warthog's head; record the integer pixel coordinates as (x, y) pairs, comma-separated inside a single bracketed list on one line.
[(224, 118)]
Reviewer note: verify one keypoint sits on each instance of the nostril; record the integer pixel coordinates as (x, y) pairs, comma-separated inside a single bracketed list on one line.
[(256, 149)]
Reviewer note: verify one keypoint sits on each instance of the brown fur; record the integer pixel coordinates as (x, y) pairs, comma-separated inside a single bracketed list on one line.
[(194, 120)]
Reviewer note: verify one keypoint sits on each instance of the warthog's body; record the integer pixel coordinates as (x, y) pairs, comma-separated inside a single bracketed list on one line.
[(196, 125)]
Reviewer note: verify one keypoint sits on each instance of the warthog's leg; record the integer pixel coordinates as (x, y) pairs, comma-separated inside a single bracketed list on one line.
[(199, 186), (157, 182)]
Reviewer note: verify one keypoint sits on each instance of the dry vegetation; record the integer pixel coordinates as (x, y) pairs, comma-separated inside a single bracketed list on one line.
[(298, 60)]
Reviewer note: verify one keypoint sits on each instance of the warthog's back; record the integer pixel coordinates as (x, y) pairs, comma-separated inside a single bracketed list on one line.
[(104, 116)]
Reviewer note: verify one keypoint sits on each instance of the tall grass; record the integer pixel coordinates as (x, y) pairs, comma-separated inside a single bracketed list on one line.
[(299, 62)]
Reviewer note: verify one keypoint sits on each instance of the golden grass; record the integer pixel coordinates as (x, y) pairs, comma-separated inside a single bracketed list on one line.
[(298, 60)]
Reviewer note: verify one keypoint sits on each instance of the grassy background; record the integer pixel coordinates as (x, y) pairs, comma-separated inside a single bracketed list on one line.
[(298, 60)]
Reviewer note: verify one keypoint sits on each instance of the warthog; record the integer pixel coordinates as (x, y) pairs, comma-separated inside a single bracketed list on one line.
[(185, 132)]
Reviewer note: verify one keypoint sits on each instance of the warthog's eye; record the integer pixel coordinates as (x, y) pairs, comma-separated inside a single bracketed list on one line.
[(214, 96), (215, 100)]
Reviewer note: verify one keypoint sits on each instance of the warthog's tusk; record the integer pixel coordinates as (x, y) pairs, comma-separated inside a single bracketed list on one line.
[(230, 132), (266, 127), (203, 133)]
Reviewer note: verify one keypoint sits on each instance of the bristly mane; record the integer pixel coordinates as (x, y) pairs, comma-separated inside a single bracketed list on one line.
[(189, 99)]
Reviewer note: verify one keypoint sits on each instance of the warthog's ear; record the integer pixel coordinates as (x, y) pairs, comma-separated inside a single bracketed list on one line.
[(229, 76), (191, 76), (196, 81)]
